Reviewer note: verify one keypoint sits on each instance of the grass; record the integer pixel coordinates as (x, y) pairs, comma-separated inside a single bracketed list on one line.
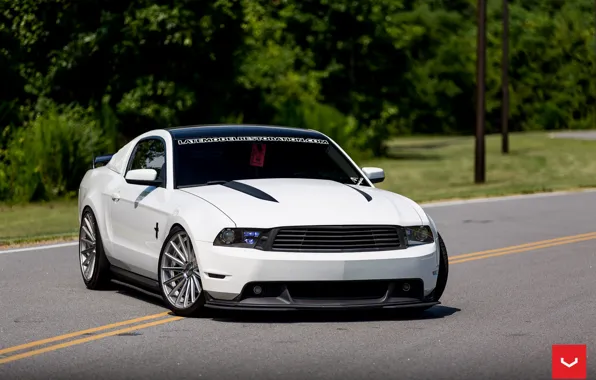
[(424, 169), (38, 222), (429, 169)]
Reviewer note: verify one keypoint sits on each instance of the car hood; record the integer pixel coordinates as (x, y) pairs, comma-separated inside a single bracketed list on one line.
[(267, 203)]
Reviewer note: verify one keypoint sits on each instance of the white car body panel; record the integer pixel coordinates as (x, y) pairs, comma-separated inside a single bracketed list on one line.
[(128, 214), (309, 202), (133, 220)]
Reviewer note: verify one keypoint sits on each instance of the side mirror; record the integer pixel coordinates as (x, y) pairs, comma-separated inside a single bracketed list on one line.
[(144, 177), (375, 175)]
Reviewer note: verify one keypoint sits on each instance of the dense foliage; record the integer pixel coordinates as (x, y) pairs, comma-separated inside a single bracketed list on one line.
[(100, 72)]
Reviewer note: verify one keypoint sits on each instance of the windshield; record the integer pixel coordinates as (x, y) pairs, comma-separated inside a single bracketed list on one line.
[(205, 161)]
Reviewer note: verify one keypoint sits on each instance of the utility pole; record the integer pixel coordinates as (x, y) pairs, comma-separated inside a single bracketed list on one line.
[(505, 81), (480, 165)]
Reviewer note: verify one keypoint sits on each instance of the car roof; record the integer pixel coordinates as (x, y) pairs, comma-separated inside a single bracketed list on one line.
[(238, 130)]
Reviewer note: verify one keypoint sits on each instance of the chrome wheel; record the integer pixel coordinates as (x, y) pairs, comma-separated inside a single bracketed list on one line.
[(87, 247), (180, 276)]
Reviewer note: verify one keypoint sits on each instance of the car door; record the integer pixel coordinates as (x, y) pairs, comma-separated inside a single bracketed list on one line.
[(138, 212)]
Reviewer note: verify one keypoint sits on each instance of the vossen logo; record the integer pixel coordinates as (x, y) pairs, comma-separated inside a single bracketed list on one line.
[(204, 140)]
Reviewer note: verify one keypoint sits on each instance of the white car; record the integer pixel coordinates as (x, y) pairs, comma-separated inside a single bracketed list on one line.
[(254, 217)]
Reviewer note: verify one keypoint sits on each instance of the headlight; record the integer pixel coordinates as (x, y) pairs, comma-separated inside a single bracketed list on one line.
[(419, 235), (242, 238)]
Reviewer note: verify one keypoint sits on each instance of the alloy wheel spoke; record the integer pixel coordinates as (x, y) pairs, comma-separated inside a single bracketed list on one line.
[(177, 287), (182, 246), (173, 279), (176, 269), (89, 267), (178, 253), (89, 250), (182, 291), (88, 233), (192, 289), (197, 283), (191, 258), (87, 260), (174, 259), (89, 229), (187, 292)]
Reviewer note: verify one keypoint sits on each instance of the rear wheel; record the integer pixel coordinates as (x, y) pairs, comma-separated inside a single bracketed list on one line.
[(179, 275), (93, 263)]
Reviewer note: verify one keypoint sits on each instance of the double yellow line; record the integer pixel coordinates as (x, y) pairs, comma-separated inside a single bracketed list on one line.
[(90, 338), (160, 318), (521, 248)]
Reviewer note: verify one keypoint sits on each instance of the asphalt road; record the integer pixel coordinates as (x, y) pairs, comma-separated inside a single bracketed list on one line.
[(499, 317), (579, 135)]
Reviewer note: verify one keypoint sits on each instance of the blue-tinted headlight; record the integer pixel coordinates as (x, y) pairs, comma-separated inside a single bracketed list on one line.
[(241, 238)]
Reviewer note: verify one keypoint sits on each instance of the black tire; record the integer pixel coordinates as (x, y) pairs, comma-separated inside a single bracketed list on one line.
[(100, 278), (443, 272), (198, 307)]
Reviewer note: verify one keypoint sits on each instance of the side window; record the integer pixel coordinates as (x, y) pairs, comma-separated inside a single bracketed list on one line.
[(150, 154)]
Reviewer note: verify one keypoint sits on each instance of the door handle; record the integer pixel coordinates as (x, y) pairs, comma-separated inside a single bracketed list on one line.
[(115, 197)]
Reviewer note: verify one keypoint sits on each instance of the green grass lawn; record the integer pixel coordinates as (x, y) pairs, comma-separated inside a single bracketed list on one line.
[(428, 169), (50, 221), (424, 169)]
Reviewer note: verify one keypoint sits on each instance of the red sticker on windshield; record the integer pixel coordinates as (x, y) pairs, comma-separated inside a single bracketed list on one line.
[(257, 157)]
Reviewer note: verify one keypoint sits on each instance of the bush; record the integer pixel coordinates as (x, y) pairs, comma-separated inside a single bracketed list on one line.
[(48, 156), (325, 119)]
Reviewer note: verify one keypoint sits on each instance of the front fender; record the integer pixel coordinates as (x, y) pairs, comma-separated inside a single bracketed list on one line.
[(199, 218)]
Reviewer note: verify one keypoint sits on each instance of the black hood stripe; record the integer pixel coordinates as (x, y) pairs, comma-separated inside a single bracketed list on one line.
[(365, 195), (249, 190)]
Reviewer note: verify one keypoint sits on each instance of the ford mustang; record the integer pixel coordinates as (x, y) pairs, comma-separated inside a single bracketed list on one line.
[(254, 217)]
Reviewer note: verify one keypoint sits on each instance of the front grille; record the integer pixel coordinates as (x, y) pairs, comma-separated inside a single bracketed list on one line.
[(337, 239)]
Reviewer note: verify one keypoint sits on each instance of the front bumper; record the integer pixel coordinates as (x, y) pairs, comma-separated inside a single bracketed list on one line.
[(327, 295), (292, 280)]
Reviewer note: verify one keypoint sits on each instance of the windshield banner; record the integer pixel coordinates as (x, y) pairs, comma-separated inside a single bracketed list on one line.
[(204, 140)]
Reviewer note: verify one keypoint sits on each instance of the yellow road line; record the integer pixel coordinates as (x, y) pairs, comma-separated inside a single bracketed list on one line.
[(535, 245), (82, 332), (453, 260), (531, 248), (85, 340)]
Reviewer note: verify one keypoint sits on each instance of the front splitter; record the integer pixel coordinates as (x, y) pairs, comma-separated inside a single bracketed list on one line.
[(231, 305)]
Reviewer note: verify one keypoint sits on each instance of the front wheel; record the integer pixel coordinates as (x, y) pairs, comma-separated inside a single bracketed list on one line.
[(443, 271), (179, 275)]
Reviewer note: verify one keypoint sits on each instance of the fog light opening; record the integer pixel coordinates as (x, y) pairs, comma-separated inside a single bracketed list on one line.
[(257, 290), (406, 287)]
